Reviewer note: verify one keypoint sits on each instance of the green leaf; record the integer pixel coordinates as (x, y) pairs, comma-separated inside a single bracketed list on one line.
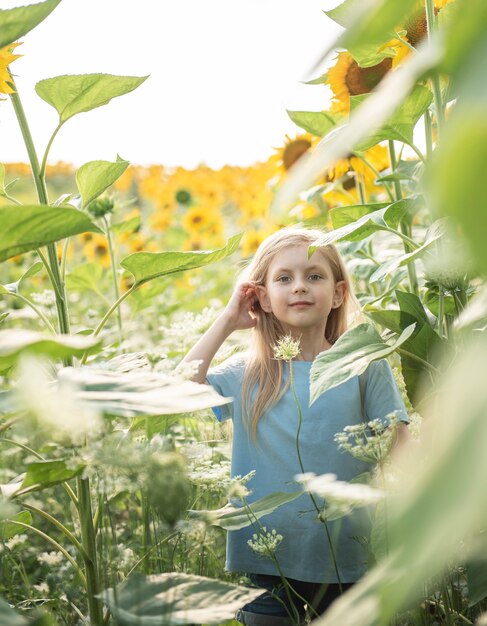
[(15, 342), (9, 528), (131, 393), (231, 517), (29, 227), (94, 177), (318, 123), (381, 219), (86, 277), (2, 179), (146, 266), (400, 125), (175, 599), (14, 287), (350, 356), (42, 474), (131, 225), (71, 95), (391, 265), (317, 81), (17, 22), (9, 617), (368, 26), (341, 216)]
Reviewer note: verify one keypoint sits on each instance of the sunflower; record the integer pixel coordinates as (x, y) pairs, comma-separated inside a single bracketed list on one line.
[(198, 219), (253, 238), (6, 57), (377, 156), (346, 78), (294, 149), (415, 29), (97, 250)]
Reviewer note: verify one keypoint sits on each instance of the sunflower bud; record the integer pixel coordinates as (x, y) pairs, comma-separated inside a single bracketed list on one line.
[(101, 207), (168, 486), (184, 197)]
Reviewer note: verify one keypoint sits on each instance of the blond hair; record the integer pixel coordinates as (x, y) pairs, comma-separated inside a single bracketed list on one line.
[(263, 373)]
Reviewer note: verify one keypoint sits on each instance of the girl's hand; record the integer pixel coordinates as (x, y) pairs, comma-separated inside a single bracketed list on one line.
[(239, 312)]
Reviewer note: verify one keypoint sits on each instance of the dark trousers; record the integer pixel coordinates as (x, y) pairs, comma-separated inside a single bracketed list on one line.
[(274, 608)]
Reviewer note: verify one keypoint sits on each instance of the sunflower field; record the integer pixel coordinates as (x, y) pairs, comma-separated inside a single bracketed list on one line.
[(114, 474)]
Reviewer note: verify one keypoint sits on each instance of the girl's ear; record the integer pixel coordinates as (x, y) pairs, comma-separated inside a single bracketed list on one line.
[(261, 293), (339, 294)]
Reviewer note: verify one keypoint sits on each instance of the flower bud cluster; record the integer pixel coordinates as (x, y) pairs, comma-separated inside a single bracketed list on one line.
[(265, 543), (369, 442)]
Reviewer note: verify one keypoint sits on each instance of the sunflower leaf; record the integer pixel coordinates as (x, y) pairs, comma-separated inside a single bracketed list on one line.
[(318, 123), (94, 177), (175, 599), (29, 227), (15, 341), (9, 528), (401, 124), (350, 356), (17, 22), (145, 266), (73, 94)]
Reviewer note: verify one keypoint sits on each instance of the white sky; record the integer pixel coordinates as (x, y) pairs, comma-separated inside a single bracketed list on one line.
[(222, 74)]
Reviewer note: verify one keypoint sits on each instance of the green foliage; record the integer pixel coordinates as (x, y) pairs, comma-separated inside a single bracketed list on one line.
[(350, 356), (145, 266), (71, 95), (8, 528), (175, 599), (232, 517), (44, 474), (29, 227), (400, 126), (17, 22), (318, 123), (94, 177), (15, 342)]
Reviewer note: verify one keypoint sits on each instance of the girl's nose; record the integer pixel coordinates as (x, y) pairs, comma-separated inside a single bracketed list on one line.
[(300, 286)]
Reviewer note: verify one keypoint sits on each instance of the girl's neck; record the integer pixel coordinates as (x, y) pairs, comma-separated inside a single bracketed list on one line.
[(311, 344)]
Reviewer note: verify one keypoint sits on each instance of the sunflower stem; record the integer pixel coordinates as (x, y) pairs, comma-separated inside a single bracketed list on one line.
[(40, 183), (428, 133), (405, 224), (114, 273), (435, 79), (34, 308)]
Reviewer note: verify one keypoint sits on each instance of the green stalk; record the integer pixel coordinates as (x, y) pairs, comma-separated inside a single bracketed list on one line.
[(441, 311), (114, 273), (428, 134), (313, 499), (9, 197), (66, 532), (113, 308), (405, 223), (361, 188), (53, 542), (33, 307), (44, 160), (88, 541), (40, 184), (435, 80)]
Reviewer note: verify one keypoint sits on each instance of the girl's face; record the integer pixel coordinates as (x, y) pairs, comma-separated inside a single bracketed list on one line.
[(300, 291)]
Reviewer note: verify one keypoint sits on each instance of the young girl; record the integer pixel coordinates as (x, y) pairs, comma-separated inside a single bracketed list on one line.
[(287, 293)]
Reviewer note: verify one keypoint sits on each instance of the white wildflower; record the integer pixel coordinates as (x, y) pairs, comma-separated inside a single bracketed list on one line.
[(56, 406), (265, 543), (15, 541), (286, 349), (50, 558), (45, 298), (42, 588)]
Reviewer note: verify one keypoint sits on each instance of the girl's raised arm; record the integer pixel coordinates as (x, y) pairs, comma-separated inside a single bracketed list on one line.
[(237, 315)]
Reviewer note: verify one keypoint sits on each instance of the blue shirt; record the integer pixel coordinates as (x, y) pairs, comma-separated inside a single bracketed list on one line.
[(304, 553)]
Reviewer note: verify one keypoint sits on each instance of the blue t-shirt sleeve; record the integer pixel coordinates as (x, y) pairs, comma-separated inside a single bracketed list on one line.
[(381, 395), (226, 379)]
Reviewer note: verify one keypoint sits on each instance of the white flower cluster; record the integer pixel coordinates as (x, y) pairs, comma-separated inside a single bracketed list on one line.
[(286, 349), (46, 298), (265, 543), (340, 497), (370, 442), (50, 558)]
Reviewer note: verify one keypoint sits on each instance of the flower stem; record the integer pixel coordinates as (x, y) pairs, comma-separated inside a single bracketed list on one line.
[(435, 79), (40, 184), (313, 499), (34, 308), (89, 546), (114, 273), (405, 223)]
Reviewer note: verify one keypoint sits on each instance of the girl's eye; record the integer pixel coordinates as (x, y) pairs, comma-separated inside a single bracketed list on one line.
[(283, 279), (314, 277)]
